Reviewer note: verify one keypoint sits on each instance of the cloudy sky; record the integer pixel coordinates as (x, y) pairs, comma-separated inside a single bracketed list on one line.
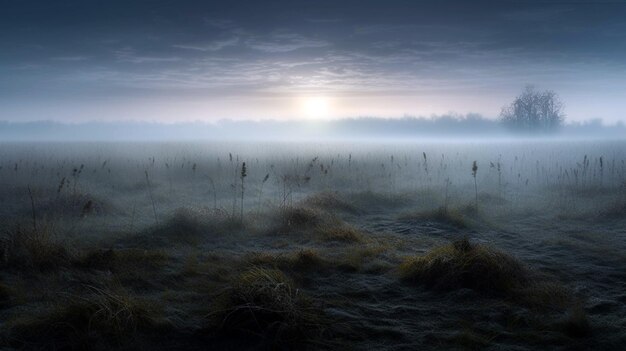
[(208, 60)]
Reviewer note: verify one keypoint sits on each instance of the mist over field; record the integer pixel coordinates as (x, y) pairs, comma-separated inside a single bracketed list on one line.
[(312, 175), (446, 127), (182, 244)]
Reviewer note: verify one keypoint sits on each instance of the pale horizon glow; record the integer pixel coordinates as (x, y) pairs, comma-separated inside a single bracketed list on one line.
[(316, 107)]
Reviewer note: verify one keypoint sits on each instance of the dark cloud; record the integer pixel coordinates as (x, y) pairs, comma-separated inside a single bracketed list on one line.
[(87, 49)]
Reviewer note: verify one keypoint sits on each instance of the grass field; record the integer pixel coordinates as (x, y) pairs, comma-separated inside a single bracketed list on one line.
[(313, 246)]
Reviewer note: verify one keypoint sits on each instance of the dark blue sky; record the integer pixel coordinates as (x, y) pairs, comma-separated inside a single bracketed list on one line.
[(190, 60)]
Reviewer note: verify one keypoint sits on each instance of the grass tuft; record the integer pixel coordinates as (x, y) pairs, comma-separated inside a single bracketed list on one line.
[(329, 201), (307, 259), (463, 264), (342, 233), (24, 248), (263, 303), (301, 260), (358, 258), (103, 318), (298, 217), (297, 220)]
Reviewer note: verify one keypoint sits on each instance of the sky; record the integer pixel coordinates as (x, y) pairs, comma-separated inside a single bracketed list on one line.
[(171, 61)]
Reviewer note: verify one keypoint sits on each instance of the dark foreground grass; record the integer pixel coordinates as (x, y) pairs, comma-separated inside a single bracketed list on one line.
[(285, 293), (120, 260), (304, 260), (6, 295), (103, 318), (23, 247), (576, 324), (496, 275), (263, 304), (462, 264)]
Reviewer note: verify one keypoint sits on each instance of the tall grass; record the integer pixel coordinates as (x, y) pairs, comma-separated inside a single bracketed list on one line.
[(154, 211), (242, 176), (474, 171)]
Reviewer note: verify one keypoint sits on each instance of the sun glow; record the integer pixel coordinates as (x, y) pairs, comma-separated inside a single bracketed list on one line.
[(316, 107)]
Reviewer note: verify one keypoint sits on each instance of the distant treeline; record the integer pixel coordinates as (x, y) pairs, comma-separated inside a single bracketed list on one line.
[(453, 126)]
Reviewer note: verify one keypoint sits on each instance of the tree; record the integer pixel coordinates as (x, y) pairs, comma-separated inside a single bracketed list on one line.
[(534, 111)]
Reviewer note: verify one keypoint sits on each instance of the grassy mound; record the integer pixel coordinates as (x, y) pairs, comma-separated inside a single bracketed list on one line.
[(329, 201), (463, 264), (341, 232), (300, 216), (364, 258), (186, 227), (264, 304), (301, 260), (104, 318), (297, 219)]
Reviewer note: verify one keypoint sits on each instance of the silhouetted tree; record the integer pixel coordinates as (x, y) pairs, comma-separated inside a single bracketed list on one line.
[(534, 111)]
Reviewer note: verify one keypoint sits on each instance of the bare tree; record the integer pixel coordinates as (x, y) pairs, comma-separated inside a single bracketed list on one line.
[(534, 111)]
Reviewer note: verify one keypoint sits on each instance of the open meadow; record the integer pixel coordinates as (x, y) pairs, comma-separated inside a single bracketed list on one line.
[(365, 246)]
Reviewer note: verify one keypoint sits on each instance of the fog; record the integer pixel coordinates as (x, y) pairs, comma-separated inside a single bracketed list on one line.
[(210, 230), (312, 175), (447, 127)]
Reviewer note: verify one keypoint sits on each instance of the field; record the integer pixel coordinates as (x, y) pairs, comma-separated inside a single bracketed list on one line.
[(369, 246)]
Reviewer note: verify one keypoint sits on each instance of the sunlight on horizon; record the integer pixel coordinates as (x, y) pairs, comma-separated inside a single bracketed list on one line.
[(316, 107)]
